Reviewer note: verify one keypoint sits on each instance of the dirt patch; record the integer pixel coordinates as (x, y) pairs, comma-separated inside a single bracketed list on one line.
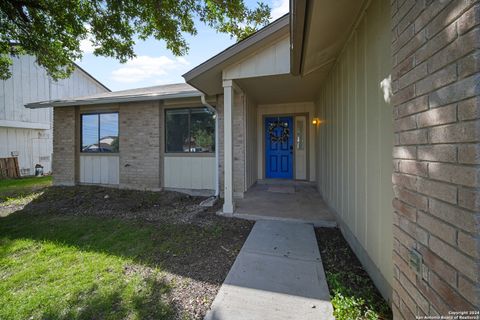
[(120, 203), (353, 292), (200, 271), (194, 247)]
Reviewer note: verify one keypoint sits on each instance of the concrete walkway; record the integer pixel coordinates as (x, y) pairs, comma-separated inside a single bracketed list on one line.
[(278, 274)]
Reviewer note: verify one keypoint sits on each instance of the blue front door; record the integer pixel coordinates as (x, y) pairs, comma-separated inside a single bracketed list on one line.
[(279, 147)]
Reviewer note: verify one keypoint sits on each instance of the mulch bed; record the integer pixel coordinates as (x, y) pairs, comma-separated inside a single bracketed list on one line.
[(166, 206), (345, 273)]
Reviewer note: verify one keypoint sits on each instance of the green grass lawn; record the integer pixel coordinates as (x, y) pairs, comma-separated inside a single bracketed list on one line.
[(58, 263), (79, 268), (15, 190), (64, 267)]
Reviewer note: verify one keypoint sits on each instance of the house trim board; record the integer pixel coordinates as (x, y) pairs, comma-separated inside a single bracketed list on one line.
[(24, 124)]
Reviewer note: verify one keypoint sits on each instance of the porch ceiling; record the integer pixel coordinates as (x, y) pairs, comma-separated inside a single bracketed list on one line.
[(284, 88)]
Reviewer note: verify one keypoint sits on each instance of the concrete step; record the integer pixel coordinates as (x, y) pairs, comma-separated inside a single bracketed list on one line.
[(286, 182)]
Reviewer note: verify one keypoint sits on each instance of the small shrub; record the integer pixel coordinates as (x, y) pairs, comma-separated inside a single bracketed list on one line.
[(347, 307)]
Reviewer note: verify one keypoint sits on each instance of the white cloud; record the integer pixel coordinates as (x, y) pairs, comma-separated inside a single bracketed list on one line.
[(144, 68), (279, 8), (86, 46)]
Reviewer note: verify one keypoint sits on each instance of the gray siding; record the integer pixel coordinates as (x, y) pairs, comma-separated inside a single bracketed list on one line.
[(355, 141)]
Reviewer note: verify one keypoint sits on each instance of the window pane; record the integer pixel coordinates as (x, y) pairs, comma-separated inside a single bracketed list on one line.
[(300, 135), (90, 133), (177, 130), (109, 132), (202, 129)]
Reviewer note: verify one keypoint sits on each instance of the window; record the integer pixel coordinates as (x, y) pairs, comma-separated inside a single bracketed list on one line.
[(300, 134), (190, 130), (99, 132)]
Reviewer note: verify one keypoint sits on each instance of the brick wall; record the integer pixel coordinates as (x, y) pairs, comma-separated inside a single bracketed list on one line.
[(140, 143), (435, 80), (238, 144), (221, 145), (63, 162)]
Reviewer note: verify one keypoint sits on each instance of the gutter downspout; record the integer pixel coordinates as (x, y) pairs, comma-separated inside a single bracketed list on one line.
[(209, 106)]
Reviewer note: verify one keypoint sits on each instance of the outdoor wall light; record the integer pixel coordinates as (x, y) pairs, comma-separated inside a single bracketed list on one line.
[(316, 121)]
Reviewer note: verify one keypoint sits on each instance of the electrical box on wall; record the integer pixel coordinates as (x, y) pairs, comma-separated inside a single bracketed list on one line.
[(425, 273), (415, 261)]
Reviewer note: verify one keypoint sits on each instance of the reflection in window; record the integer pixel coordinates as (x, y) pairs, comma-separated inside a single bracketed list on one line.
[(177, 130), (99, 132), (190, 130)]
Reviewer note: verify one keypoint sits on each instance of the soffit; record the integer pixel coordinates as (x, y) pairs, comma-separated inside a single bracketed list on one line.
[(284, 88), (328, 26)]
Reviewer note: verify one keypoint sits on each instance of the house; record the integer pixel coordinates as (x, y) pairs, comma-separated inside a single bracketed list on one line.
[(27, 134), (375, 102)]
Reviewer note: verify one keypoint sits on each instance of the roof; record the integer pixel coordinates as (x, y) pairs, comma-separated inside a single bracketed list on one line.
[(163, 92), (178, 90), (243, 48)]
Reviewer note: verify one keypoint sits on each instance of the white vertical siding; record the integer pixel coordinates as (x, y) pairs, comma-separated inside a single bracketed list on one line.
[(270, 60), (99, 169), (185, 172), (356, 141), (30, 83), (32, 147)]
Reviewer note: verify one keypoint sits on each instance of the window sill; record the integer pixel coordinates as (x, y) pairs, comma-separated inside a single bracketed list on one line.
[(190, 154), (100, 154)]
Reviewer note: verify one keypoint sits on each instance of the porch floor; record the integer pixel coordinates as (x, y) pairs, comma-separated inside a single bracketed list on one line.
[(285, 201)]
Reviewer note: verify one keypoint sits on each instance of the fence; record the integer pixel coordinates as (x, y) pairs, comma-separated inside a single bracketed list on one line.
[(9, 168)]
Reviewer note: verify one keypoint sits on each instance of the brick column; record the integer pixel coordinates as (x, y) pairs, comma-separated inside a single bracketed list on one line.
[(64, 144), (435, 80)]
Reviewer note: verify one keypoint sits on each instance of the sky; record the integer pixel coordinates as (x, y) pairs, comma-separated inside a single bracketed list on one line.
[(155, 64)]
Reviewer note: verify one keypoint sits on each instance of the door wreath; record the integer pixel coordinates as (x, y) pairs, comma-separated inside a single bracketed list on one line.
[(284, 133)]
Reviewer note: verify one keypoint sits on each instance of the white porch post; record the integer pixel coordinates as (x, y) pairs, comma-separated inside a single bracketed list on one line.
[(228, 92)]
